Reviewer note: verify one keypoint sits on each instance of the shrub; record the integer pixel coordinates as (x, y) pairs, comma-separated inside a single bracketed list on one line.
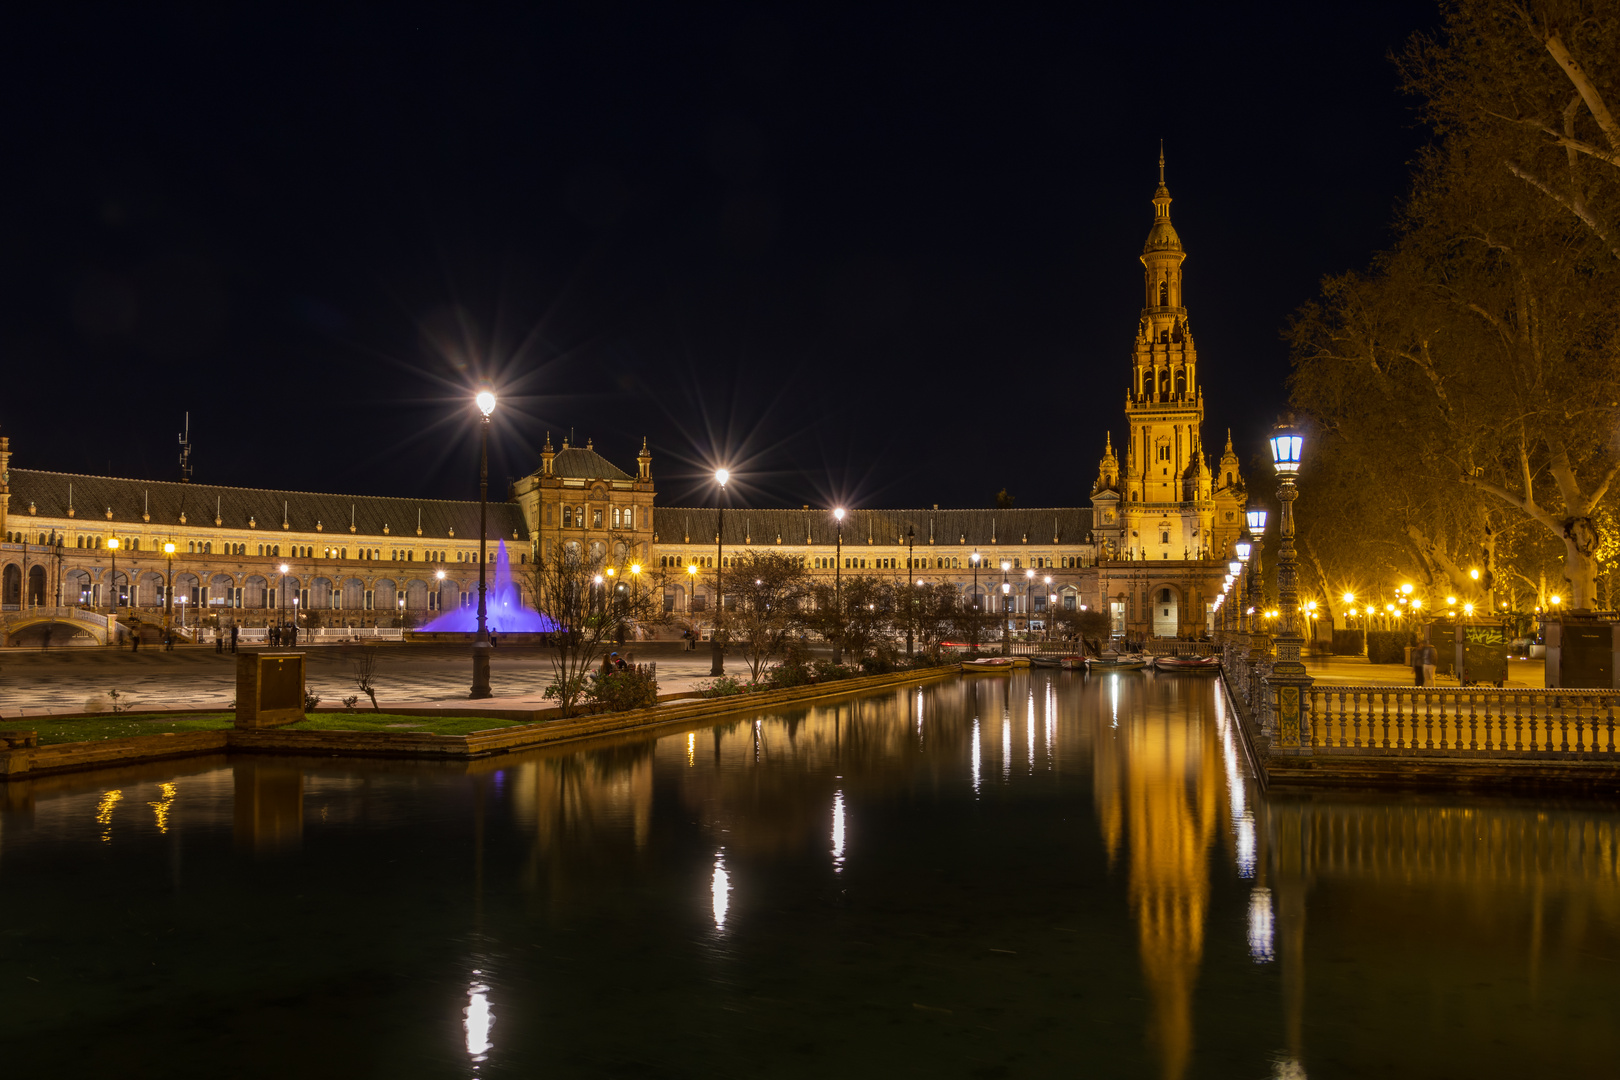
[(632, 688), (311, 699), (827, 671), (725, 686)]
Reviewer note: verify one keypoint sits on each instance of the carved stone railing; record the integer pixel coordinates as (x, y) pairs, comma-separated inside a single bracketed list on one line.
[(1484, 722)]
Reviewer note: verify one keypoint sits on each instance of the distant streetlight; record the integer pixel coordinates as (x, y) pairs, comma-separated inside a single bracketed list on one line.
[(281, 616), (717, 645), (974, 559), (911, 606), (480, 682), (838, 594), (438, 593), (112, 546), (1006, 591), (1048, 619), (168, 588)]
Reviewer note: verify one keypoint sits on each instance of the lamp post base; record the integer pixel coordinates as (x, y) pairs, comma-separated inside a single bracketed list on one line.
[(480, 658)]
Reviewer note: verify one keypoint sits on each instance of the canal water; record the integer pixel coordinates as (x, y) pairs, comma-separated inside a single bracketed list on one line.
[(1035, 875)]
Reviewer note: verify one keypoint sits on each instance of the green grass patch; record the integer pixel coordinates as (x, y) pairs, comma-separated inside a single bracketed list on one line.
[(362, 720), (98, 728)]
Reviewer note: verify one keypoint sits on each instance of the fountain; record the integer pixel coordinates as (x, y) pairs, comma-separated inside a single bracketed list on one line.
[(505, 611)]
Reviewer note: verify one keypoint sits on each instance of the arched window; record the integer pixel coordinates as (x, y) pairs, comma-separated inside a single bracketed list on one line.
[(1164, 293), (1181, 382), (568, 517)]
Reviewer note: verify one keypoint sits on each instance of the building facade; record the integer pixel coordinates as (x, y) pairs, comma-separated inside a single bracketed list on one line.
[(1151, 548)]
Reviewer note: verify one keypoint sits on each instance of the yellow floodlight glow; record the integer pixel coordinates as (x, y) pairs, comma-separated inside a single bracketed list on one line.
[(486, 402), (1416, 604), (1468, 609), (691, 568), (1406, 589), (1349, 598), (1474, 574), (1557, 600), (1452, 600)]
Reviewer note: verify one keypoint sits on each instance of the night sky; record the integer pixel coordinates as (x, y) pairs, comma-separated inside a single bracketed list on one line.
[(869, 254)]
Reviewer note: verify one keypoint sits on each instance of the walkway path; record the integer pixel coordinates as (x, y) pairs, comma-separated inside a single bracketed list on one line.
[(34, 683), (1355, 671)]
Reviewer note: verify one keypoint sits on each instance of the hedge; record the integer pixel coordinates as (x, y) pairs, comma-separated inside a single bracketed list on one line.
[(1347, 643), (1387, 646)]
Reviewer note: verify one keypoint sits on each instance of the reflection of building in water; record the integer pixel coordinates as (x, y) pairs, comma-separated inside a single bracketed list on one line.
[(1158, 780), (586, 795), (269, 805)]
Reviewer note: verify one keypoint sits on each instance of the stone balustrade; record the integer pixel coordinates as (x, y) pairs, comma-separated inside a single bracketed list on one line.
[(1472, 720)]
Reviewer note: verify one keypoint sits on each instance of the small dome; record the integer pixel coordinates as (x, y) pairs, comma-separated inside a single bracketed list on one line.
[(1162, 237)]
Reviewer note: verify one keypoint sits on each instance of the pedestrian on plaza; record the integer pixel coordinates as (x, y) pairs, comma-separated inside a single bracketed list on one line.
[(292, 635), (135, 639), (494, 642), (219, 642), (233, 638), (1431, 658), (46, 643), (1417, 664)]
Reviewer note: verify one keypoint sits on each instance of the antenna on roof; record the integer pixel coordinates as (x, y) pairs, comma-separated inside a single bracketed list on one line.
[(185, 452)]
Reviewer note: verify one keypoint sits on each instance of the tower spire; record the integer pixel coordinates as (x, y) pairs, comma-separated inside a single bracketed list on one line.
[(1161, 163)]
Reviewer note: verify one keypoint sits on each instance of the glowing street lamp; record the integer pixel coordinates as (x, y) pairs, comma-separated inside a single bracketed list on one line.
[(974, 559), (168, 588), (112, 546), (717, 644), (480, 682), (438, 576), (838, 587)]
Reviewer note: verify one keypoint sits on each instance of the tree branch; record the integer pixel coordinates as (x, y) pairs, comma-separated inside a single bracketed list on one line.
[(1584, 86), (1579, 210)]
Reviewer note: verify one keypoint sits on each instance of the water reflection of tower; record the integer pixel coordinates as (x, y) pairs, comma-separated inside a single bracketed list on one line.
[(1158, 775)]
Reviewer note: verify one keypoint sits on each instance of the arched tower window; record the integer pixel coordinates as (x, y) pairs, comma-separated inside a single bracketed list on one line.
[(1164, 382), (1164, 294), (1147, 384), (1181, 382)]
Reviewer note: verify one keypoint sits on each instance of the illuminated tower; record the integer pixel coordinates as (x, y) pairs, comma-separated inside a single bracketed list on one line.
[(1167, 505)]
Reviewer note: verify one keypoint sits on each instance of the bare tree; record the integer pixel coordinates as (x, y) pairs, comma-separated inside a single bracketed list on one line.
[(771, 594), (589, 602), (363, 666), (1470, 376)]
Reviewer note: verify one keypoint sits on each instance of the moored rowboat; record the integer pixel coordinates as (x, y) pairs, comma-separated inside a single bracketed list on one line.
[(987, 666)]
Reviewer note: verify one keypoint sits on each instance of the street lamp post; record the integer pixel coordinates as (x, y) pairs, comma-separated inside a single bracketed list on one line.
[(1006, 591), (480, 683), (1029, 603), (911, 594), (974, 559), (717, 644), (112, 601), (838, 591), (281, 616), (168, 586), (1049, 608), (1288, 681)]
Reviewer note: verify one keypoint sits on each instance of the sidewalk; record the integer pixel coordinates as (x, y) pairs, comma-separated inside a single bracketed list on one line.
[(1356, 671)]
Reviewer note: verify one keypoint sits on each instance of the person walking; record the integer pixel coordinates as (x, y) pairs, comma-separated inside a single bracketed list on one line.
[(233, 638), (1431, 657)]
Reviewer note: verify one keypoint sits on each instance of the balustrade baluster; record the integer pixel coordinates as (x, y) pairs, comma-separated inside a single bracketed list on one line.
[(1610, 714), (1428, 719), (1341, 722), (1580, 726), (1386, 719), (1532, 724), (1563, 729), (1472, 730)]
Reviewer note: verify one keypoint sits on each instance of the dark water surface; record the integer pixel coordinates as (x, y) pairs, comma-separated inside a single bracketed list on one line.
[(1026, 876)]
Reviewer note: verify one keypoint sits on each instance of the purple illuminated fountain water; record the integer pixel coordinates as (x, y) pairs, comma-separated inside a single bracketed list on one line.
[(506, 613)]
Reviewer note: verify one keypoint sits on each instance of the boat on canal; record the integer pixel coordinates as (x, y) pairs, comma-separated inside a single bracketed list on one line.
[(988, 665), (1127, 662), (1193, 664)]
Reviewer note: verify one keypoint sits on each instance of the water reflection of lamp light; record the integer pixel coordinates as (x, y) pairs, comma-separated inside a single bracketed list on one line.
[(721, 888), (838, 832), (977, 756), (1262, 931), (477, 1020)]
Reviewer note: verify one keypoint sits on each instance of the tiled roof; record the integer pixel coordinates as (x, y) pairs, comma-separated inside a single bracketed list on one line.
[(164, 501), (586, 464), (974, 528)]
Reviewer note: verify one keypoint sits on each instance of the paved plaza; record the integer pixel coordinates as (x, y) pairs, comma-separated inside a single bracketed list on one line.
[(39, 683)]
